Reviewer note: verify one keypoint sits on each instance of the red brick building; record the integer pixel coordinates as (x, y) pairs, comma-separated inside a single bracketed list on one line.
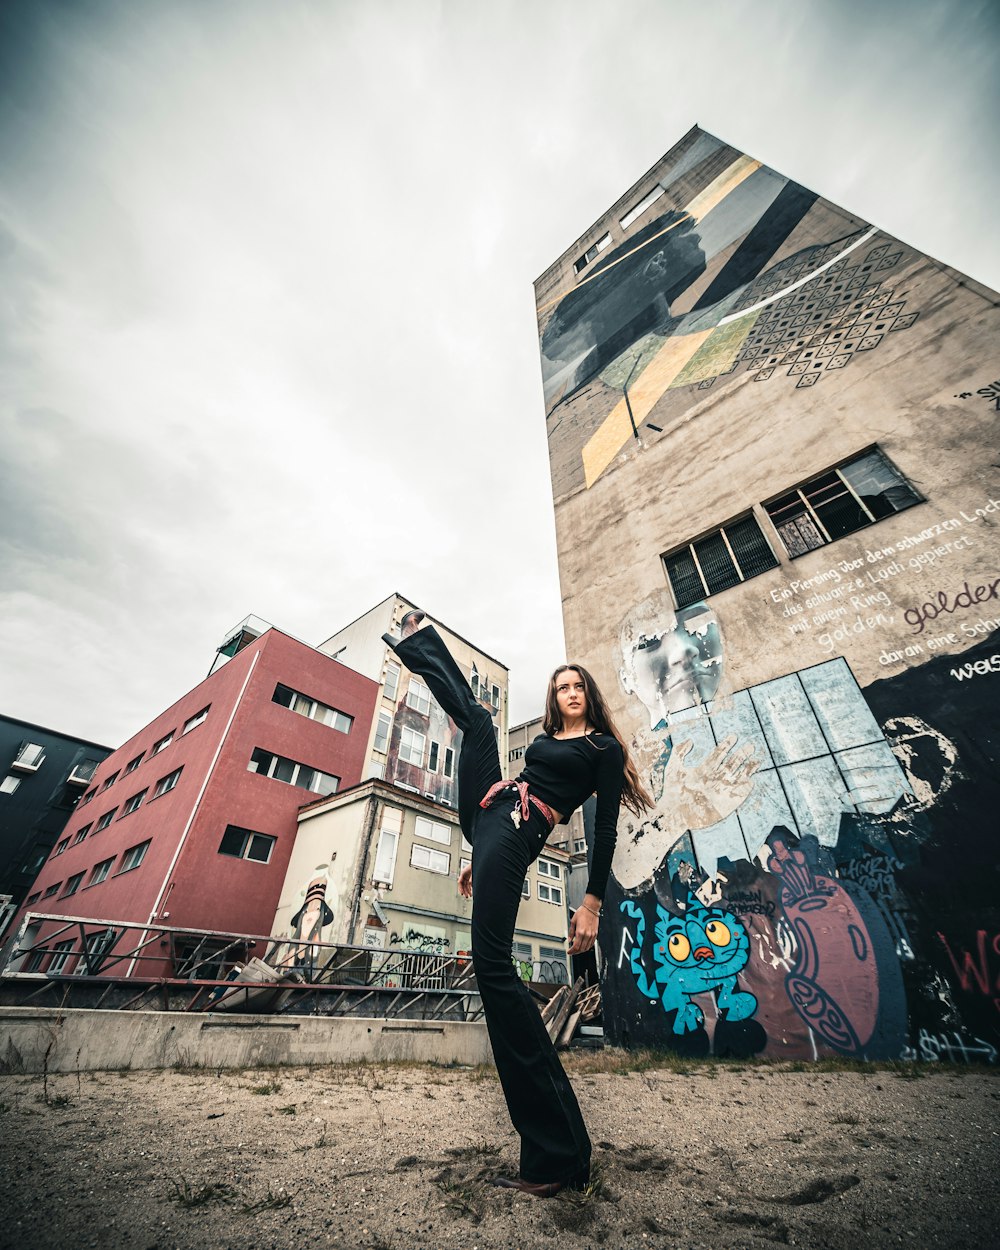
[(191, 822)]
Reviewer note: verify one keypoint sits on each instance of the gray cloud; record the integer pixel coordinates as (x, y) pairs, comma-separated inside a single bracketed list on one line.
[(268, 336)]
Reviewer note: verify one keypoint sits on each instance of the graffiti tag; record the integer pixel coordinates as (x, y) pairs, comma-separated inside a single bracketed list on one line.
[(973, 970), (413, 939), (932, 1047)]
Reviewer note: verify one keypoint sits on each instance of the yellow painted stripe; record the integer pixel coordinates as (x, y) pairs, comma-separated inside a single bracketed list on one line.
[(616, 428), (720, 187)]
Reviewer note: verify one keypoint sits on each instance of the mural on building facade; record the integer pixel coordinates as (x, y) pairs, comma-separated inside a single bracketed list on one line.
[(842, 839), (424, 744), (312, 920), (673, 309)]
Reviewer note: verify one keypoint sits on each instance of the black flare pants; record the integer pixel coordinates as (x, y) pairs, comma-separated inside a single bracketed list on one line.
[(540, 1099)]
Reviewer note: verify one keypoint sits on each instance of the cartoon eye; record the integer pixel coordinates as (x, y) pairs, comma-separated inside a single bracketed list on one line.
[(718, 933), (679, 947)]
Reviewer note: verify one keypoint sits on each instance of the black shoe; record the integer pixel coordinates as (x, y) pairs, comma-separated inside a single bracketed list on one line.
[(536, 1189)]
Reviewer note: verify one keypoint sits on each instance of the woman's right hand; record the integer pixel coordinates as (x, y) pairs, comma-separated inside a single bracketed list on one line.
[(465, 881)]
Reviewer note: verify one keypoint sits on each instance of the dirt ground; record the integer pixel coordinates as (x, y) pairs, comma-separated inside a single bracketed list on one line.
[(688, 1154)]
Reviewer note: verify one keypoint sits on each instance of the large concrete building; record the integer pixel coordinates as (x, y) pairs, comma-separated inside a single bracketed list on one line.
[(773, 442)]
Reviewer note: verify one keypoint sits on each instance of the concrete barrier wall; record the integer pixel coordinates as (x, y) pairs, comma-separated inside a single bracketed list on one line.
[(34, 1039)]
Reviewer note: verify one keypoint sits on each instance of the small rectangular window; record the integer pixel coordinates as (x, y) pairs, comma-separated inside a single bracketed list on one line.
[(729, 555), (432, 757), (87, 797), (167, 783), (432, 829), (52, 889), (306, 706), (100, 871), (81, 834), (60, 956), (638, 209), (495, 696), (9, 785), (73, 884), (592, 253), (839, 502), (131, 804), (449, 761), (133, 857), (390, 687), (428, 858), (418, 696), (547, 869), (29, 758), (246, 844), (549, 893), (525, 888), (163, 742), (108, 781), (60, 847), (105, 820), (385, 857), (411, 747), (32, 898), (195, 721), (382, 730), (266, 764), (132, 765)]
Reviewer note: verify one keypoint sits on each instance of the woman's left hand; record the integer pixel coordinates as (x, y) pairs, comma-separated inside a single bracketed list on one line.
[(583, 929)]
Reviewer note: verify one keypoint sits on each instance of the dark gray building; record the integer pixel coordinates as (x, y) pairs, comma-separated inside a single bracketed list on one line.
[(43, 773)]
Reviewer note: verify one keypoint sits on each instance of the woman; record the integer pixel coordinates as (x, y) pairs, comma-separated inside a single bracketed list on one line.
[(507, 823)]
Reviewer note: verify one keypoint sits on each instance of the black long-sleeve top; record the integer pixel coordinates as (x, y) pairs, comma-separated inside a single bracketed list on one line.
[(564, 772)]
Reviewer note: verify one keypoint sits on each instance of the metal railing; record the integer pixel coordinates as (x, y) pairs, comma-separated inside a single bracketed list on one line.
[(92, 962)]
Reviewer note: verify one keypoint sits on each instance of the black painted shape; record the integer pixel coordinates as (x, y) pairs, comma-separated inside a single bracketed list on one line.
[(738, 1039), (773, 228)]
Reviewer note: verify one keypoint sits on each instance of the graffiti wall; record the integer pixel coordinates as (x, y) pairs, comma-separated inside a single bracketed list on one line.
[(773, 437)]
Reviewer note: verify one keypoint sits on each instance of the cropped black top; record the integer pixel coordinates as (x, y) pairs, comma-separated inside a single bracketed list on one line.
[(564, 772)]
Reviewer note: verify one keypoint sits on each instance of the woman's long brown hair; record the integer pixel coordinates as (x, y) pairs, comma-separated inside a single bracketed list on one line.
[(635, 796)]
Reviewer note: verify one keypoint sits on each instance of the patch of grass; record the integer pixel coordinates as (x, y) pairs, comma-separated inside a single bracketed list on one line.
[(187, 1196), (462, 1196), (289, 1110), (483, 1148), (56, 1100), (273, 1202), (272, 1087), (847, 1117)]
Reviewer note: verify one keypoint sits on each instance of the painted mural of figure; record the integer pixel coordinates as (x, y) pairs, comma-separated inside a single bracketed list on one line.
[(580, 753), (846, 984), (305, 928), (699, 952), (672, 663)]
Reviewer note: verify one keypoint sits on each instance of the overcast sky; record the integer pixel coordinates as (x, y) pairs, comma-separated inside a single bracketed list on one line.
[(267, 333)]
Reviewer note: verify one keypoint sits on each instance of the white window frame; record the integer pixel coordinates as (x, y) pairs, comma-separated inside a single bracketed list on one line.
[(81, 833), (9, 784), (196, 720), (167, 783), (133, 764), (60, 955), (108, 782), (526, 888), (433, 756), (390, 683), (162, 743), (102, 822), (133, 857), (546, 868), (448, 767), (132, 803), (60, 847), (550, 893), (96, 876), (29, 758), (385, 856), (248, 840), (408, 746), (418, 696), (434, 860), (75, 881), (383, 722), (433, 830)]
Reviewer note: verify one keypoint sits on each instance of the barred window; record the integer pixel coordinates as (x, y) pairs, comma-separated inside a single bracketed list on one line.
[(731, 554), (840, 501)]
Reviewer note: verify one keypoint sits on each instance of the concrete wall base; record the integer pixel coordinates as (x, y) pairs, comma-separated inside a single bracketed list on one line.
[(37, 1039)]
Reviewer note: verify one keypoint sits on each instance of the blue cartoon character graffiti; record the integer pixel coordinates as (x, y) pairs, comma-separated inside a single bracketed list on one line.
[(696, 953)]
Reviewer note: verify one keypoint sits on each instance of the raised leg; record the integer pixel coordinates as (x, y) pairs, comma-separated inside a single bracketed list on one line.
[(425, 654)]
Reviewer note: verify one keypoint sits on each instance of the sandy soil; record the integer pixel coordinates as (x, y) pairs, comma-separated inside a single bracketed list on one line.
[(695, 1154)]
